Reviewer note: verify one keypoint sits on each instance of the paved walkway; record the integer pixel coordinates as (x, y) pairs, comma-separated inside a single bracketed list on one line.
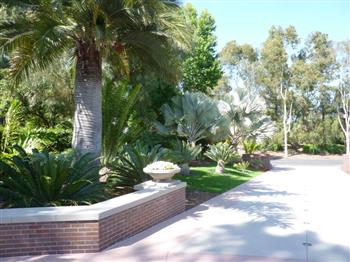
[(293, 213)]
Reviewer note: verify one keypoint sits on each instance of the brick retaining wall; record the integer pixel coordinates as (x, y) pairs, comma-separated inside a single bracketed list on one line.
[(84, 236)]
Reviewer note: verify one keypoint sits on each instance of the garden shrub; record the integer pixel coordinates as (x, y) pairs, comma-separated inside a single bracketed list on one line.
[(46, 179), (222, 153), (334, 149), (312, 149), (182, 153), (241, 165), (127, 169), (250, 146), (324, 149)]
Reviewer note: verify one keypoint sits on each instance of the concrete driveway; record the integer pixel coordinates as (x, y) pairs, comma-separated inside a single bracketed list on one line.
[(293, 213)]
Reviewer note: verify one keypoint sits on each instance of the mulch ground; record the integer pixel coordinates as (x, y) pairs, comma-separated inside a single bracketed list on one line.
[(195, 197)]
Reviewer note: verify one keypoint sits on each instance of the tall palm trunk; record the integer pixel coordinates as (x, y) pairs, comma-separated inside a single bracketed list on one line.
[(87, 133)]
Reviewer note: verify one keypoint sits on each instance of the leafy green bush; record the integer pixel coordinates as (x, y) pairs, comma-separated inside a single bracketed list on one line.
[(334, 149), (312, 149), (222, 153), (241, 165), (250, 146), (46, 179), (322, 149)]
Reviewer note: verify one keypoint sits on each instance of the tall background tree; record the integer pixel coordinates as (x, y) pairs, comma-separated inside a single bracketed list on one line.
[(92, 33), (275, 77), (343, 90), (201, 68)]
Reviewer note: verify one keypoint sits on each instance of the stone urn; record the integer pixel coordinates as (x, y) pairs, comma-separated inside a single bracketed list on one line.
[(258, 161), (346, 163), (162, 171)]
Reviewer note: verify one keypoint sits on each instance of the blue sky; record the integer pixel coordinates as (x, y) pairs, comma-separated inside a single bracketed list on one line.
[(248, 21)]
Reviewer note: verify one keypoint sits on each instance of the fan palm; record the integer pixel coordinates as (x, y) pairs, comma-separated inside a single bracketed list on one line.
[(193, 116), (246, 114), (92, 32)]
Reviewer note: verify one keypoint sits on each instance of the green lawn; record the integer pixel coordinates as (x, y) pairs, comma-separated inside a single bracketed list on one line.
[(205, 179)]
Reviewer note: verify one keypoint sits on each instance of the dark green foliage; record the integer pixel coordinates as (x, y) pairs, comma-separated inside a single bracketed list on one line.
[(201, 68), (334, 149), (57, 139), (323, 149), (127, 169), (182, 152), (46, 179), (119, 125), (311, 149), (154, 93), (275, 147)]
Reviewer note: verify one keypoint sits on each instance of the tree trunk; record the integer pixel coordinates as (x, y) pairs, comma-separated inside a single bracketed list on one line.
[(220, 168), (347, 137), (87, 133), (285, 128), (185, 169)]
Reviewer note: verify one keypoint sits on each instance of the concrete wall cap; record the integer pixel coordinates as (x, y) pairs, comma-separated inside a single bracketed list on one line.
[(146, 191)]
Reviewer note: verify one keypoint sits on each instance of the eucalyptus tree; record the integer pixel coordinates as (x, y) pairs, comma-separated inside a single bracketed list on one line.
[(343, 89), (275, 76), (313, 71), (93, 32)]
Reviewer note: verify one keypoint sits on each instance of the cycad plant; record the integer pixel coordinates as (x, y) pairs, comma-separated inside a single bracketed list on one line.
[(221, 153), (182, 153), (46, 179), (119, 127), (250, 146), (13, 118), (115, 32), (127, 169)]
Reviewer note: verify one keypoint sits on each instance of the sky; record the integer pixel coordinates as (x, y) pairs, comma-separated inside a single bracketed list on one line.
[(248, 21)]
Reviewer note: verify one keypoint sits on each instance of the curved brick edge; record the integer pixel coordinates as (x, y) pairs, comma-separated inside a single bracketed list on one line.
[(83, 236)]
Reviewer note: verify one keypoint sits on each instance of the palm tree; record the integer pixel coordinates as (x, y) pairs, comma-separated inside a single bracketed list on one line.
[(246, 115), (93, 33), (193, 116)]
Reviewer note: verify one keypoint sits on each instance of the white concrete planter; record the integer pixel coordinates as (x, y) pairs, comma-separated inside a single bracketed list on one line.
[(162, 175), (162, 171)]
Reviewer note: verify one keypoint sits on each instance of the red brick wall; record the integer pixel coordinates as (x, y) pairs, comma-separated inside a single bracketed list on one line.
[(137, 219), (21, 239)]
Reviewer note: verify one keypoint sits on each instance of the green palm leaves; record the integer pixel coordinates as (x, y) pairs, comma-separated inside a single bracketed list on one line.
[(44, 179), (193, 116), (39, 32), (222, 153), (246, 116), (118, 125)]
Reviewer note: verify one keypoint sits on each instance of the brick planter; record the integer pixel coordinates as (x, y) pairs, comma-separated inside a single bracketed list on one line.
[(258, 161), (83, 229)]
